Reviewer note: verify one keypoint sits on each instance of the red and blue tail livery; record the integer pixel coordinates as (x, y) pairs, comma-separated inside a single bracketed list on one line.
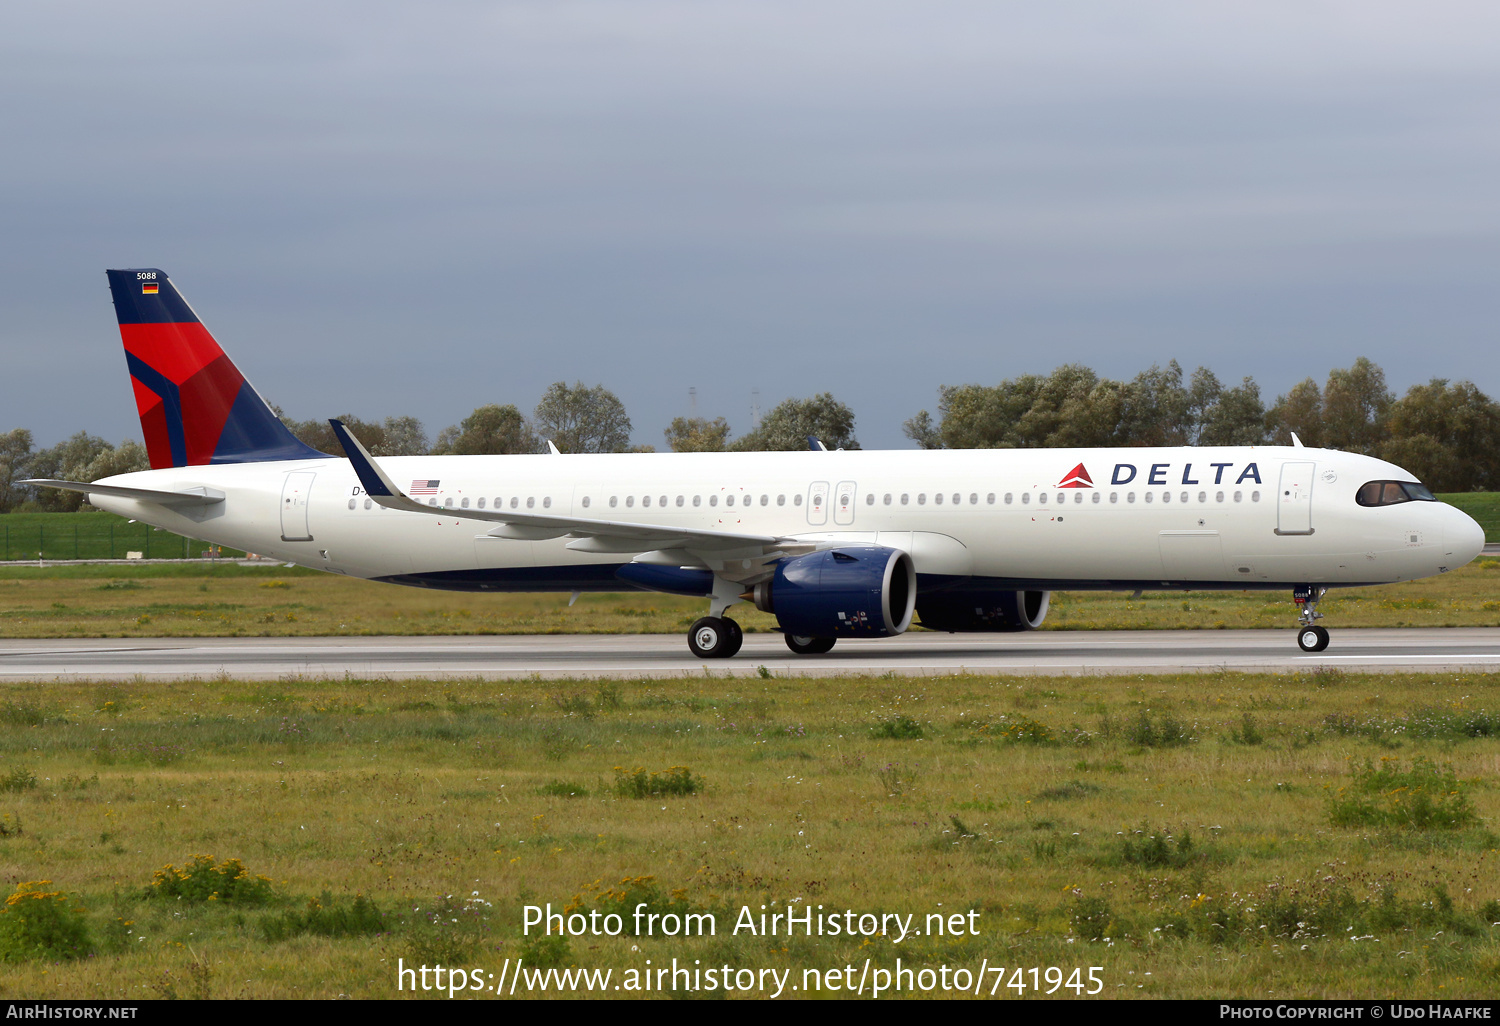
[(195, 405)]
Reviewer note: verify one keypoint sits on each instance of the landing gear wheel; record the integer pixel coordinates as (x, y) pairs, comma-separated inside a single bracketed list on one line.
[(803, 645), (1312, 639), (709, 638), (736, 637)]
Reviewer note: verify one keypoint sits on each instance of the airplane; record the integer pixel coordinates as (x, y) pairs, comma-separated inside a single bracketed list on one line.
[(857, 544)]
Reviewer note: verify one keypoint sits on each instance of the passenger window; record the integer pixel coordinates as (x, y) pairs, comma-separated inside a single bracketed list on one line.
[(585, 502), (465, 503), (937, 499), (797, 499), (629, 501)]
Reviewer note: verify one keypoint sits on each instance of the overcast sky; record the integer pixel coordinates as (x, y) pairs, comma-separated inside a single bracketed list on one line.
[(389, 209)]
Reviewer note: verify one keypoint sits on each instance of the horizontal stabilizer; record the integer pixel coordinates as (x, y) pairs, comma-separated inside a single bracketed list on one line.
[(185, 497)]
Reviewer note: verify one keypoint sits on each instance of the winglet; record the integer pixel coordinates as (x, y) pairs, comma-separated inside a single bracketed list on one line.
[(376, 482), (1296, 442), (552, 448), (816, 445)]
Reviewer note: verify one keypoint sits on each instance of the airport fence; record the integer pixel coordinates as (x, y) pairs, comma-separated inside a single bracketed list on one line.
[(61, 536)]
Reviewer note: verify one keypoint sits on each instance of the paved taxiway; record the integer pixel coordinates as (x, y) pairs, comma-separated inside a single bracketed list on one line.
[(615, 655)]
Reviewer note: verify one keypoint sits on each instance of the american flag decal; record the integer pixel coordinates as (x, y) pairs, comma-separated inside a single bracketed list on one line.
[(424, 487)]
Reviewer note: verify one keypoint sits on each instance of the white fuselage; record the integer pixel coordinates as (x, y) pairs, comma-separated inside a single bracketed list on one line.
[(1264, 516)]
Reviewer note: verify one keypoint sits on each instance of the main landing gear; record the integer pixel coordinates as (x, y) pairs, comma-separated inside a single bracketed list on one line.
[(1310, 637), (715, 637), (808, 646)]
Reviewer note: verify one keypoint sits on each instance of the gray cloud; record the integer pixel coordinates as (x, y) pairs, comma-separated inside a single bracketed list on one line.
[(392, 209)]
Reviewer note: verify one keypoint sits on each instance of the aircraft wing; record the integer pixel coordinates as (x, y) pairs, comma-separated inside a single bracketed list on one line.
[(162, 497), (592, 535)]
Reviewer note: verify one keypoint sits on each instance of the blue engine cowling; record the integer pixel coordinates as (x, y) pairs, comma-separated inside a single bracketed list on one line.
[(854, 591), (995, 612)]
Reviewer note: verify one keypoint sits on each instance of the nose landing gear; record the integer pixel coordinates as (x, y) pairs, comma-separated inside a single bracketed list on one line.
[(1310, 637)]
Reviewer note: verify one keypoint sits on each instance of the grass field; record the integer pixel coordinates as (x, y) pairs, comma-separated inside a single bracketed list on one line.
[(1482, 506), (100, 535), (194, 599), (1207, 836)]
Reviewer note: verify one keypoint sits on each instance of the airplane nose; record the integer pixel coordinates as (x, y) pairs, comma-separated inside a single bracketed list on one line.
[(1463, 538)]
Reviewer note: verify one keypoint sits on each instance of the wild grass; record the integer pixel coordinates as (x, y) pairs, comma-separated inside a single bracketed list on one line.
[(1274, 843), (196, 600)]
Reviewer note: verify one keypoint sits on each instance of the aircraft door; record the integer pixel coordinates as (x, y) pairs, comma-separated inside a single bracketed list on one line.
[(843, 499), (294, 495), (1294, 499), (817, 503)]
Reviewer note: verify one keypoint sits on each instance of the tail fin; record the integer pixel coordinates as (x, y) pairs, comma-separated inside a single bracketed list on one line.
[(195, 405)]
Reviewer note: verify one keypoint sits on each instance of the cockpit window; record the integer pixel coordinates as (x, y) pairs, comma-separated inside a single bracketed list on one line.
[(1388, 493)]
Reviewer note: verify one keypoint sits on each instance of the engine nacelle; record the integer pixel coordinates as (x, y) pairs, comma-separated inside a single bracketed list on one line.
[(994, 612), (854, 591)]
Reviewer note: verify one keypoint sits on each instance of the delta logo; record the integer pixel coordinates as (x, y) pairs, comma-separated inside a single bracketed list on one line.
[(1078, 477)]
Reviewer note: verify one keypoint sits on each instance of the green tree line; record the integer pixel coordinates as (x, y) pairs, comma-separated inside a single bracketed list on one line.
[(575, 418), (1447, 434)]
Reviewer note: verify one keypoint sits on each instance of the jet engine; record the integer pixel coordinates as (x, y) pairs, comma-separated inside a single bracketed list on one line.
[(855, 591), (983, 611)]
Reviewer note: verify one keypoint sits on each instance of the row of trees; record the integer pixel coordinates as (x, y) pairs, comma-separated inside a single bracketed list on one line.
[(1447, 434), (575, 418)]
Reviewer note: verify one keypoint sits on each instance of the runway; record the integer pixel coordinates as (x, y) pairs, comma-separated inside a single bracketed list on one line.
[(665, 655)]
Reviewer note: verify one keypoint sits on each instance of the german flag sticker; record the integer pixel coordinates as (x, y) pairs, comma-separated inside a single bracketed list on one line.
[(149, 289)]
